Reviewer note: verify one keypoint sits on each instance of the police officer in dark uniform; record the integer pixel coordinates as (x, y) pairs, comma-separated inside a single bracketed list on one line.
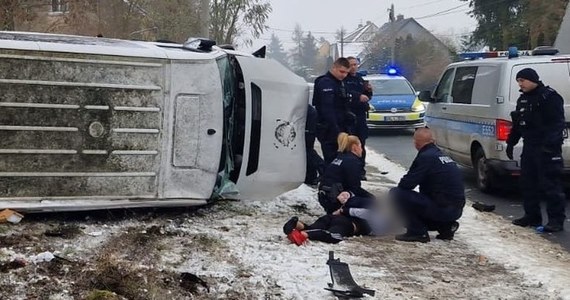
[(358, 105), (439, 204), (315, 164), (539, 120), (331, 99), (342, 174)]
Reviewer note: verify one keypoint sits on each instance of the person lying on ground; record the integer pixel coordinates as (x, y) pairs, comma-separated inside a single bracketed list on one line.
[(356, 216)]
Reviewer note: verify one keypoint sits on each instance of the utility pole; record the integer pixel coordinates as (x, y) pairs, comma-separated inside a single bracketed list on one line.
[(205, 18), (341, 42), (340, 36), (392, 33)]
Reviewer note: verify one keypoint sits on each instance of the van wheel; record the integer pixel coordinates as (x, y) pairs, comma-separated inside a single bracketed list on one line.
[(482, 172)]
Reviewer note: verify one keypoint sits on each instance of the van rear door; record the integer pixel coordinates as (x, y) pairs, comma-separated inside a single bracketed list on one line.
[(274, 147)]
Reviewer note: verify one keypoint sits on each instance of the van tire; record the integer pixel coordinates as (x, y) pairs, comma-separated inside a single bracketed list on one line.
[(483, 174)]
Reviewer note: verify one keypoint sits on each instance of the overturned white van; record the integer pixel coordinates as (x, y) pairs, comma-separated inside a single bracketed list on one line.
[(92, 123)]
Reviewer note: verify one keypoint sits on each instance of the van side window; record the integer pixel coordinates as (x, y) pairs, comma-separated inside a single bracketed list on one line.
[(443, 91), (486, 85), (463, 85)]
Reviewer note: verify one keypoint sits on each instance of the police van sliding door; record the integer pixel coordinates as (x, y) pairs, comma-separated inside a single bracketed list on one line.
[(274, 148)]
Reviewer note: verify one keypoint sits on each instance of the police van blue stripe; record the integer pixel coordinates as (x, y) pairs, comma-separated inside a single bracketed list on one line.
[(482, 128)]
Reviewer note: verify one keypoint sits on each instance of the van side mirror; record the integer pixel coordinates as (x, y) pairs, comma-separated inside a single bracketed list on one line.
[(425, 96)]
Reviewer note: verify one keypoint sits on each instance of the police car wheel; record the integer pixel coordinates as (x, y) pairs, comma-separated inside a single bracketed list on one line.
[(483, 174)]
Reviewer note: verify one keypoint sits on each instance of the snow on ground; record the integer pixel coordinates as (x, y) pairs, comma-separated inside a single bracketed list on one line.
[(239, 249)]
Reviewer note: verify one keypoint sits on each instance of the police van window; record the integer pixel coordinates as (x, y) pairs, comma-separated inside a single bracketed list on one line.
[(443, 91), (463, 85), (486, 85)]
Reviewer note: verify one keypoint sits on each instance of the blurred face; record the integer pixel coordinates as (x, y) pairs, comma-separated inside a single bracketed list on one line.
[(339, 72), (343, 197), (417, 144), (357, 149), (526, 85), (353, 66)]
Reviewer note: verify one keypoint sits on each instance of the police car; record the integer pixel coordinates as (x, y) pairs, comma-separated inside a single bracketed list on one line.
[(394, 103), (469, 110)]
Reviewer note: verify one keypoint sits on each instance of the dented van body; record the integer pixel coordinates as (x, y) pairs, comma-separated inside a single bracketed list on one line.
[(94, 123)]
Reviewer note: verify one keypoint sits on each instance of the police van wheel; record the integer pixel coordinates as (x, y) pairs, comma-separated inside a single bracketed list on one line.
[(482, 172)]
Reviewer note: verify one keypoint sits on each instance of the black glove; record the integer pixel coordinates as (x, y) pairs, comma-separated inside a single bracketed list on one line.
[(350, 118), (509, 151)]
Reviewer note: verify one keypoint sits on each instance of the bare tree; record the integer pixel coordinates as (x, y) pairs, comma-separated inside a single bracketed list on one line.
[(17, 13), (231, 19), (175, 20)]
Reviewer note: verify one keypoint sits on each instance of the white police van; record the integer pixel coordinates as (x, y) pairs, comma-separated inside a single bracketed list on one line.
[(469, 110), (97, 123)]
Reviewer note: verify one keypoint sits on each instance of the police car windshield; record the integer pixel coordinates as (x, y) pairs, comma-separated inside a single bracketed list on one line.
[(391, 87)]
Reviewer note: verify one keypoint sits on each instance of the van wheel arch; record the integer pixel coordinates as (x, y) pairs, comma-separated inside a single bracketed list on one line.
[(483, 175)]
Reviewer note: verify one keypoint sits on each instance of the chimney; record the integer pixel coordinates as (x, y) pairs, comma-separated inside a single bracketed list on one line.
[(399, 17)]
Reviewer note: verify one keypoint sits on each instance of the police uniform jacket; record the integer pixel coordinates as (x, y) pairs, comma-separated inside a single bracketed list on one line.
[(437, 175), (311, 124), (355, 86), (330, 100), (539, 118), (346, 169)]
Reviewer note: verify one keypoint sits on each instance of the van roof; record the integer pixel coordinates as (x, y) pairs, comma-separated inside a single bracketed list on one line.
[(513, 61), (97, 45)]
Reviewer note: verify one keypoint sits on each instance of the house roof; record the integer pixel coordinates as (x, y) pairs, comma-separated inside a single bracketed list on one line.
[(362, 34), (355, 42), (396, 26), (563, 39), (352, 49)]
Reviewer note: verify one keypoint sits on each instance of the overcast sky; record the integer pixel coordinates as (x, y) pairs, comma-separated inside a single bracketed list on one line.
[(325, 17)]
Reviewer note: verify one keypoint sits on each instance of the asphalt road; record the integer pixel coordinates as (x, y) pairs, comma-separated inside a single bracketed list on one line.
[(397, 145)]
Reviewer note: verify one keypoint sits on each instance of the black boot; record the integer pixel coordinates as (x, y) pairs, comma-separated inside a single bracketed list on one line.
[(527, 221), (410, 237), (447, 232), (290, 225), (553, 227)]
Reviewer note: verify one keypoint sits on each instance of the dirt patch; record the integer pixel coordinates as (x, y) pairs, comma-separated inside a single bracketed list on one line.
[(236, 250)]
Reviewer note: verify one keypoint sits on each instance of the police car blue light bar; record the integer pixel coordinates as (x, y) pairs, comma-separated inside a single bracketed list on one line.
[(490, 54), (392, 71)]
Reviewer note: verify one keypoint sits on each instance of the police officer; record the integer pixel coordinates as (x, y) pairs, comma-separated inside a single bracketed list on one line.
[(315, 164), (539, 120), (439, 204), (342, 174), (331, 99), (358, 105)]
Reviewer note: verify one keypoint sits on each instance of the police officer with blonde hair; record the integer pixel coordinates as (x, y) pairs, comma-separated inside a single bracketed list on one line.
[(343, 173)]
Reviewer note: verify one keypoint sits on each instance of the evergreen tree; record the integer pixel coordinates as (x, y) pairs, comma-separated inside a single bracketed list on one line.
[(309, 51), (275, 50), (522, 23)]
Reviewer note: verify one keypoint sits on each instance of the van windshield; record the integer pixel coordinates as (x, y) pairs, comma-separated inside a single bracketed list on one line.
[(391, 87), (234, 127)]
